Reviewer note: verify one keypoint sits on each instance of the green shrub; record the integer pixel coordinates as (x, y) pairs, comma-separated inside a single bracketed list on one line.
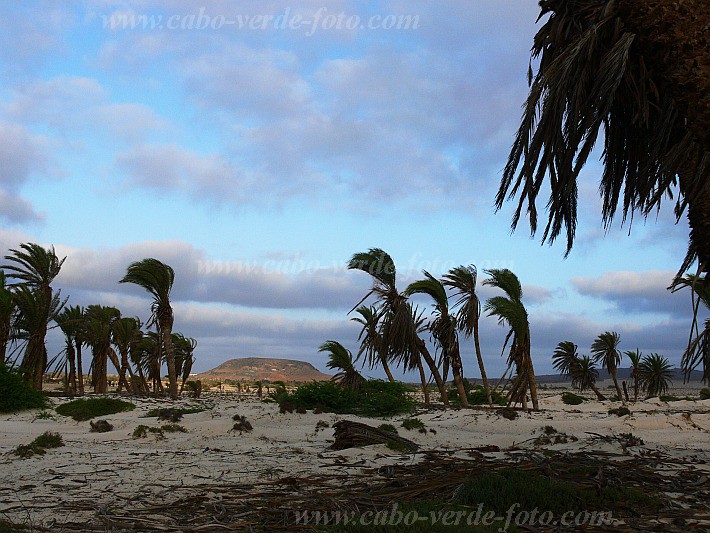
[(173, 428), (374, 398), (172, 414), (86, 409), (705, 394), (387, 427), (16, 394), (142, 431), (476, 395), (40, 445), (412, 423), (570, 398)]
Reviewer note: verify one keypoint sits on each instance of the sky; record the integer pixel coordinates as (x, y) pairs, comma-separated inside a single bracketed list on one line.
[(255, 146)]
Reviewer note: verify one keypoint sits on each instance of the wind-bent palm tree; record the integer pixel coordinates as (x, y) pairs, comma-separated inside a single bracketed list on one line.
[(512, 312), (98, 324), (581, 370), (636, 72), (463, 280), (655, 374), (399, 328), (635, 358), (605, 351), (69, 327), (33, 315), (372, 345), (443, 328), (157, 278), (7, 310), (72, 319), (35, 267), (184, 359), (697, 354), (124, 333), (151, 355), (341, 359)]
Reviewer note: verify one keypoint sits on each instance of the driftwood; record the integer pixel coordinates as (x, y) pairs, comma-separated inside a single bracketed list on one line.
[(349, 434)]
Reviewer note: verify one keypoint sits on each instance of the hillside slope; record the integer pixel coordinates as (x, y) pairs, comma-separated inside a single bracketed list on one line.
[(252, 369)]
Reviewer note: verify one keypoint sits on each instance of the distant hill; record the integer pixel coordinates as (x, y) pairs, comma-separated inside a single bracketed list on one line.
[(252, 369), (623, 373)]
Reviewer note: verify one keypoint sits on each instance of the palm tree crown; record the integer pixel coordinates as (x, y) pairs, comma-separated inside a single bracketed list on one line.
[(655, 374), (341, 359), (605, 350)]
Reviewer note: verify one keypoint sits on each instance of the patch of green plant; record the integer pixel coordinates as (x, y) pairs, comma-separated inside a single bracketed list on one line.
[(398, 447), (40, 445), (705, 393), (476, 395), (172, 414), (376, 398), (412, 423), (44, 415), (88, 408), (142, 431), (16, 394), (570, 398), (387, 427), (173, 428)]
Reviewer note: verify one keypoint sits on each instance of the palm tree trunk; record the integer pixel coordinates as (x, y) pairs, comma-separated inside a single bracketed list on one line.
[(616, 384), (531, 377), (456, 369), (422, 376), (484, 377), (421, 346), (79, 368), (166, 334), (636, 387), (600, 396), (72, 367), (386, 367)]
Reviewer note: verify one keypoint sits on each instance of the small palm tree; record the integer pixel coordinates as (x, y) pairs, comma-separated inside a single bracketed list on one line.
[(655, 374), (697, 354), (463, 280), (124, 332), (184, 358), (511, 311), (341, 359), (69, 328), (584, 376), (98, 325), (399, 328), (372, 345), (443, 328), (7, 310), (157, 278), (635, 358), (580, 369), (605, 350), (72, 319)]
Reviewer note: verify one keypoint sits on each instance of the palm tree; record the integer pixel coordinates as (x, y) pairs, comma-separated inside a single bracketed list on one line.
[(35, 267), (511, 311), (697, 354), (463, 280), (372, 345), (98, 325), (184, 359), (635, 358), (157, 278), (69, 327), (581, 370), (655, 374), (584, 376), (399, 329), (606, 68), (150, 354), (605, 350), (443, 328), (341, 359), (7, 310), (72, 319), (124, 333)]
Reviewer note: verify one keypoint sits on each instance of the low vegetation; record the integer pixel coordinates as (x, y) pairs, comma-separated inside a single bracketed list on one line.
[(172, 414), (570, 398), (374, 398), (40, 445), (16, 394), (142, 431), (173, 428), (412, 423), (86, 409), (705, 394)]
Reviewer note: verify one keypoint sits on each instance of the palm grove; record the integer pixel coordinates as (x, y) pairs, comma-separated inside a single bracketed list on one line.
[(29, 306)]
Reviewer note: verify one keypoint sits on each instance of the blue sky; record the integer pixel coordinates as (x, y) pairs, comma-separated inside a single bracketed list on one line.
[(257, 161)]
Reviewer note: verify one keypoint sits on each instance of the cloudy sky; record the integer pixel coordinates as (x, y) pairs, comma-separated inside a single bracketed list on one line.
[(256, 145)]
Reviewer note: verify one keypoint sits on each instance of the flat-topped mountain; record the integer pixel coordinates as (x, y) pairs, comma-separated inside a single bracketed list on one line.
[(252, 369)]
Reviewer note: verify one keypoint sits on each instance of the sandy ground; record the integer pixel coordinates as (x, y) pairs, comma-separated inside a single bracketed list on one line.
[(111, 468)]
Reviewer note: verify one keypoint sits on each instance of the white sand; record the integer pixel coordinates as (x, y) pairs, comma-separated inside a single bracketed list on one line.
[(110, 468)]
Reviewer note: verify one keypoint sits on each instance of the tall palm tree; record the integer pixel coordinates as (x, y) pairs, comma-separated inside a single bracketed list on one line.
[(584, 376), (605, 68), (463, 280), (697, 354), (605, 350), (136, 354), (150, 353), (341, 359), (581, 370), (157, 278), (372, 345), (443, 327), (635, 358), (124, 333), (655, 374), (98, 324), (399, 328), (72, 320), (36, 267), (7, 310), (69, 327), (510, 310), (34, 313)]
